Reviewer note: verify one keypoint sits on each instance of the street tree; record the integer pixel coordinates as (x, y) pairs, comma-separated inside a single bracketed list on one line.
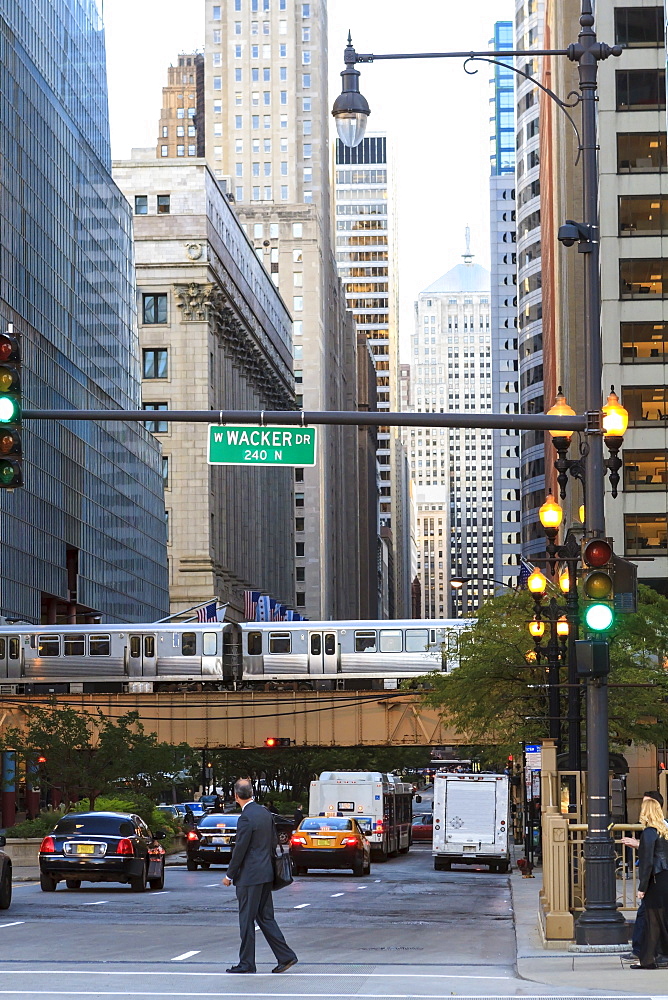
[(498, 695)]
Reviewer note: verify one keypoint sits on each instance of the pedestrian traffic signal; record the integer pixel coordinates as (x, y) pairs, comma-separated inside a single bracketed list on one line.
[(10, 411), (278, 741), (598, 586)]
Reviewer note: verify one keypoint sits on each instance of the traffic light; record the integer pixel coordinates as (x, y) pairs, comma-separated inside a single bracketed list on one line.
[(598, 585), (11, 455), (41, 759), (277, 741)]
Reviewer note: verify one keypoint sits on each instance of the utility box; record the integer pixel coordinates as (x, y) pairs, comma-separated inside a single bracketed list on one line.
[(471, 820)]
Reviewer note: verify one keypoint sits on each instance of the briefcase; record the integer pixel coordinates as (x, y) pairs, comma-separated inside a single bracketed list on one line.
[(282, 868)]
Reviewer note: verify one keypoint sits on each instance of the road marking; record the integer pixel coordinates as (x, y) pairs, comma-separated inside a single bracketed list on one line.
[(191, 993), (14, 923), (362, 886), (98, 902), (335, 894), (212, 885), (160, 892), (192, 973), (377, 880), (184, 956), (300, 906)]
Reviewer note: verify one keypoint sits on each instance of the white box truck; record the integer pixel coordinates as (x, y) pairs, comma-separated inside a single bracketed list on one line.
[(471, 820)]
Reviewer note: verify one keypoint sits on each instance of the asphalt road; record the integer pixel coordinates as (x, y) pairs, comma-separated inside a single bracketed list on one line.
[(403, 932)]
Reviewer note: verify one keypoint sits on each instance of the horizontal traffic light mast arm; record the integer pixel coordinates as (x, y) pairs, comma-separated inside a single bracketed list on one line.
[(520, 421), (368, 57)]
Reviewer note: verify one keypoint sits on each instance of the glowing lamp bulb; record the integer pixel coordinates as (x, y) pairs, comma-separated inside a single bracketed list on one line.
[(537, 582), (550, 513), (615, 417), (564, 581), (562, 627), (561, 409), (537, 629)]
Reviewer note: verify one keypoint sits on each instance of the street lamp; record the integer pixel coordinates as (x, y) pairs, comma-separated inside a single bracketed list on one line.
[(457, 583), (601, 922), (615, 422)]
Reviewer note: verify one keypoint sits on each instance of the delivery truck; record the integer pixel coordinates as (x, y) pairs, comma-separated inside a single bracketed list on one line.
[(471, 820)]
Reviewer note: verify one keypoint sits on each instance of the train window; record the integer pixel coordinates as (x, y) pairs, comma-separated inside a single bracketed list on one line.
[(365, 642), (316, 644), (279, 642), (188, 644), (209, 644), (453, 642), (330, 643), (100, 645), (255, 644), (135, 645), (14, 647), (149, 646), (391, 640), (74, 645), (2, 649), (417, 640), (48, 645)]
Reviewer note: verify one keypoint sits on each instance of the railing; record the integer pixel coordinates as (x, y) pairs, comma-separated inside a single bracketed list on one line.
[(625, 869)]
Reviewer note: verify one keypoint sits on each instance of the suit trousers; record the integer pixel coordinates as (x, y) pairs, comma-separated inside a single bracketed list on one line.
[(256, 906)]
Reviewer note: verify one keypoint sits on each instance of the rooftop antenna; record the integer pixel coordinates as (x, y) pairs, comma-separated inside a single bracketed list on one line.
[(468, 256)]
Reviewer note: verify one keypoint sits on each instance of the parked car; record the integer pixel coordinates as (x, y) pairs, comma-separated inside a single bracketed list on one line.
[(211, 841), (101, 847), (5, 877), (330, 842), (423, 826), (175, 811)]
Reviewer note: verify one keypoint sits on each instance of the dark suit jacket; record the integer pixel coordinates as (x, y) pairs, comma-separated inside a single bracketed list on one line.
[(252, 858)]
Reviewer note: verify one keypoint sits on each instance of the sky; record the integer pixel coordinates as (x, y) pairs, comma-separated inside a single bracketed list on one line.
[(435, 115)]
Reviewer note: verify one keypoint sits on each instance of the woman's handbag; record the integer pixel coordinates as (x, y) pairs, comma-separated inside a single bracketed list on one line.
[(282, 868)]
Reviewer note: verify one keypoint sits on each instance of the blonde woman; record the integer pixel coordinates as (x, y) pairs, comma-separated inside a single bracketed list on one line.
[(653, 883)]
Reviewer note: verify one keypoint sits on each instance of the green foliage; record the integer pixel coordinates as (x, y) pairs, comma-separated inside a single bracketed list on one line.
[(38, 827), (497, 697), (47, 819)]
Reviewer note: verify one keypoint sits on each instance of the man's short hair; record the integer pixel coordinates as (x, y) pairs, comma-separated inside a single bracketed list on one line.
[(243, 788), (654, 795)]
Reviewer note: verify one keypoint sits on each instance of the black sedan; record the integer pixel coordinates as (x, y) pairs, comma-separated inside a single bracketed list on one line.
[(101, 847), (5, 878), (212, 840)]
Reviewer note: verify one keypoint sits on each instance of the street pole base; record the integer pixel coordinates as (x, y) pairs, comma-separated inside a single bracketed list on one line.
[(601, 927)]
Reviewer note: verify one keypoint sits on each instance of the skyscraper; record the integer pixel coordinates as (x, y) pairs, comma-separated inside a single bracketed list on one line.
[(267, 115), (505, 376), (366, 255), (452, 469), (85, 537)]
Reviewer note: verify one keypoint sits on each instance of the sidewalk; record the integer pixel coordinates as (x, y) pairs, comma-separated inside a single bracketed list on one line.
[(573, 969)]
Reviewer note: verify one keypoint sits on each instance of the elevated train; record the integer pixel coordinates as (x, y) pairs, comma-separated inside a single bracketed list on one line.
[(342, 655)]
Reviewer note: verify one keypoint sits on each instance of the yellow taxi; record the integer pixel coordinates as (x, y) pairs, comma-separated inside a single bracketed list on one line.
[(330, 842)]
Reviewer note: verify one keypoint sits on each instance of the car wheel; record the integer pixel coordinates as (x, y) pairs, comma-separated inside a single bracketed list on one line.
[(206, 865), (503, 867), (191, 865), (367, 868), (404, 850), (139, 884), (283, 837), (300, 871), (382, 857), (442, 866), (358, 867), (6, 890), (158, 883), (73, 883), (47, 884)]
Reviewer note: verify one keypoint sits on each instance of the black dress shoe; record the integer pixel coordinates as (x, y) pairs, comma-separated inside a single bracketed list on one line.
[(284, 966), (652, 966), (240, 968)]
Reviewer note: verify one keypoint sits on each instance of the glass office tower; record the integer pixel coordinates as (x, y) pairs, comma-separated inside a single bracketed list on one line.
[(84, 538)]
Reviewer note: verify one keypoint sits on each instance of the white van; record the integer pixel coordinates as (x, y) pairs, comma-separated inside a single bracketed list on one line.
[(471, 820)]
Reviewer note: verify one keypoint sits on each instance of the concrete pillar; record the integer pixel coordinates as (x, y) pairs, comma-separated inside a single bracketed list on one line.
[(556, 918), (8, 788)]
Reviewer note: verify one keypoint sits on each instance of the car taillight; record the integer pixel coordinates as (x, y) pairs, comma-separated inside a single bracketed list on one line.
[(350, 841), (298, 840), (125, 847), (192, 835), (47, 846)]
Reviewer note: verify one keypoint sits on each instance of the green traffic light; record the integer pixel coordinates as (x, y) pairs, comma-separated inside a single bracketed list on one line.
[(9, 409), (599, 617)]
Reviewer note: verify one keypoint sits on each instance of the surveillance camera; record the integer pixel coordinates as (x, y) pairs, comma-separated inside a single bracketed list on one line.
[(568, 234), (266, 243)]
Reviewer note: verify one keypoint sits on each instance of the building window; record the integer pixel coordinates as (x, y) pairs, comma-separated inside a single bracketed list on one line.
[(284, 97), (284, 192), (154, 308), (155, 362), (266, 97), (306, 81), (299, 499), (163, 204), (217, 59), (217, 85), (297, 303), (267, 194), (217, 107), (284, 121), (156, 426), (299, 549), (266, 121), (643, 278), (180, 130), (283, 73), (256, 194), (641, 89), (237, 76), (306, 10), (306, 57), (646, 403), (238, 121), (644, 342), (300, 599), (300, 574), (180, 150), (306, 127), (255, 121), (180, 113), (645, 533), (216, 12), (282, 50), (641, 152), (237, 50), (643, 215), (645, 471), (299, 524), (297, 229), (165, 471), (639, 27), (164, 151), (141, 204), (308, 150), (239, 193)]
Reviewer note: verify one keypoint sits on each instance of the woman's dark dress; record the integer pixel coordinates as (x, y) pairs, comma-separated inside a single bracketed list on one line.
[(653, 881)]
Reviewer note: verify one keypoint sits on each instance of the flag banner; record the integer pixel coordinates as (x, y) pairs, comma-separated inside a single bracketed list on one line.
[(207, 612), (526, 569), (263, 611), (221, 611), (251, 597)]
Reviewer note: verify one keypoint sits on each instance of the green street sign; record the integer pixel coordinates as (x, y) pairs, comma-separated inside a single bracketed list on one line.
[(261, 445)]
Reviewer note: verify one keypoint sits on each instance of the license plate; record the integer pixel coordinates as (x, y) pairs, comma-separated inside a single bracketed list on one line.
[(219, 840), (469, 848), (324, 840), (85, 848)]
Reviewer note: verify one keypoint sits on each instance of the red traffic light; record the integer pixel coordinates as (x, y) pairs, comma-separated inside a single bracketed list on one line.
[(271, 741), (597, 553), (278, 741), (41, 759), (9, 348)]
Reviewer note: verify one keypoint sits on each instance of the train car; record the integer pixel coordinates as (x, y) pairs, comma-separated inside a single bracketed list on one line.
[(336, 654)]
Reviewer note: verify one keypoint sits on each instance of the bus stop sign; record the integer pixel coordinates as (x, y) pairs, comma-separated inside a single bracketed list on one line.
[(248, 445)]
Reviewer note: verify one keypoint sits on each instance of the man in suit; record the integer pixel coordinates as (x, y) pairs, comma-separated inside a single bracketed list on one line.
[(252, 871)]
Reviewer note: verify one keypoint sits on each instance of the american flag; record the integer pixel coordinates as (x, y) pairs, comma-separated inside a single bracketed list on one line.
[(526, 569), (251, 597), (207, 612)]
